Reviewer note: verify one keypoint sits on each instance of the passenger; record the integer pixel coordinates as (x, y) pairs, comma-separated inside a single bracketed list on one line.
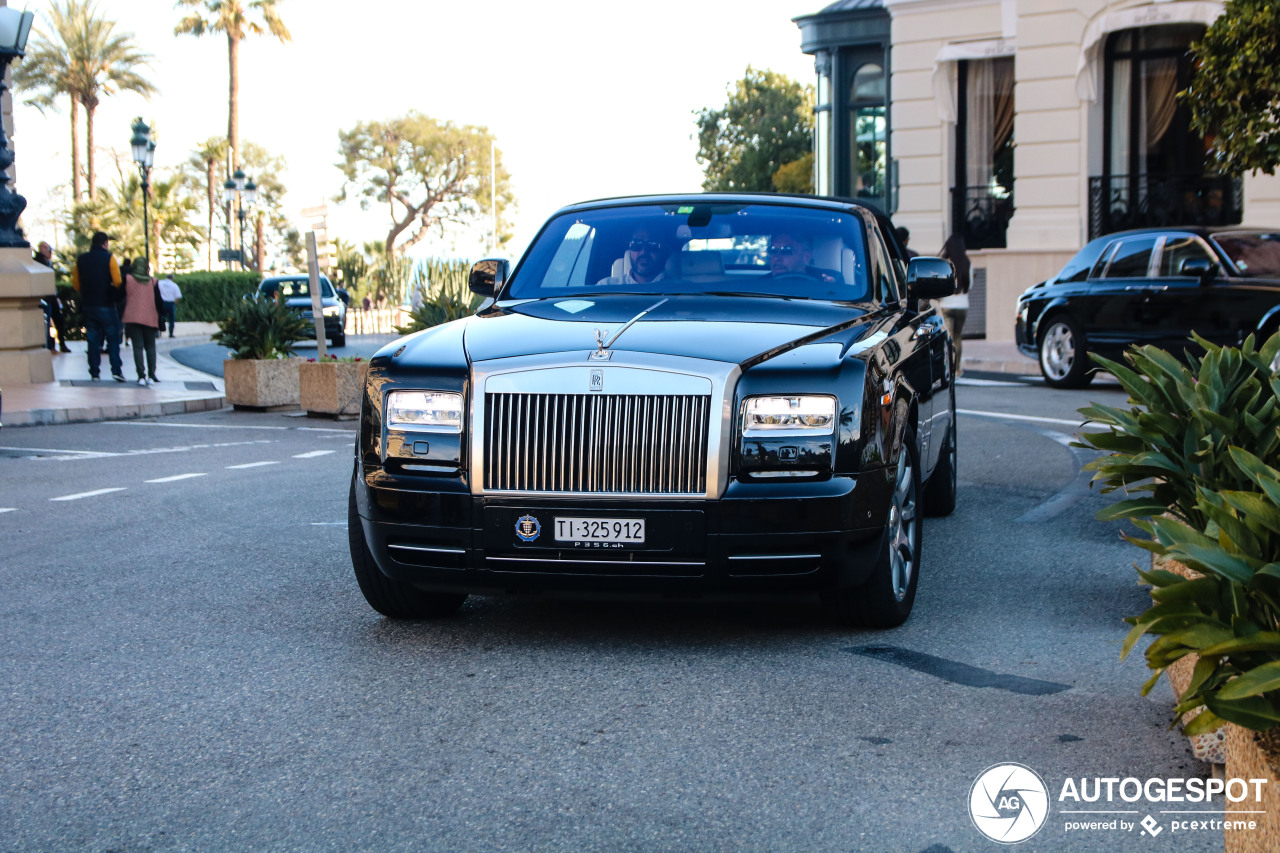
[(647, 253)]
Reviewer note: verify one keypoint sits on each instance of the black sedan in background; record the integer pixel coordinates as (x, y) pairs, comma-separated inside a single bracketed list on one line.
[(695, 395), (295, 290), (1151, 286)]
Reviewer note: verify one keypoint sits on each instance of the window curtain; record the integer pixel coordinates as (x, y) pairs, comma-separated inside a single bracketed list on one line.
[(989, 114), (1160, 77)]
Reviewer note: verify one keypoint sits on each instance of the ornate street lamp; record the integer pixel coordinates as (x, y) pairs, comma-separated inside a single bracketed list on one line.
[(144, 154), (240, 191), (15, 26)]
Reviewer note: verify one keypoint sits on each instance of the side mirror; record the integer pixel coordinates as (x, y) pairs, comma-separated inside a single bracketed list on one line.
[(930, 278), (1201, 268), (344, 296), (488, 276)]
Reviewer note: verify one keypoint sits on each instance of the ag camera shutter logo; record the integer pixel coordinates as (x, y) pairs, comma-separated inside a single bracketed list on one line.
[(1008, 803)]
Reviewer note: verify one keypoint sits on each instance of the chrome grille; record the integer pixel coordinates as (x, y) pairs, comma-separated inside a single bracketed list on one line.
[(596, 443)]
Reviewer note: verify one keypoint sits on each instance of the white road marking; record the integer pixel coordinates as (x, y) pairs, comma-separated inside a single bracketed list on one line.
[(312, 454), (174, 478), (8, 509), (328, 524), (1034, 418), (192, 426), (984, 383), (149, 450), (326, 429), (92, 494), (88, 454), (252, 465)]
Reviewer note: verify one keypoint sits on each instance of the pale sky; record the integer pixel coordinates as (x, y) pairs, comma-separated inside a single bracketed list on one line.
[(586, 99)]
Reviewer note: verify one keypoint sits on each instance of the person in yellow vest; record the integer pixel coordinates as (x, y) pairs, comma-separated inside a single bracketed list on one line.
[(96, 277)]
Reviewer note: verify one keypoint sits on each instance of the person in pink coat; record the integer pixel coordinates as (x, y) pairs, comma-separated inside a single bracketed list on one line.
[(142, 311)]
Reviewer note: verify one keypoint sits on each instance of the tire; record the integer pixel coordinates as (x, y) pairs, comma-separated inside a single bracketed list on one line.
[(340, 339), (940, 492), (886, 598), (390, 597), (1064, 354)]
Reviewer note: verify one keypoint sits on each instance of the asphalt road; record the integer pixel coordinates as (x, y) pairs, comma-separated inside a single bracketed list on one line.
[(188, 664)]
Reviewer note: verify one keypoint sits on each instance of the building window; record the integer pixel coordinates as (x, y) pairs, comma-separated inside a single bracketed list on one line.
[(982, 200), (1153, 163), (870, 131)]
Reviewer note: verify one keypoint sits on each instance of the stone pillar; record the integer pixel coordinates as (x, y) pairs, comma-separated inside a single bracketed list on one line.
[(23, 356)]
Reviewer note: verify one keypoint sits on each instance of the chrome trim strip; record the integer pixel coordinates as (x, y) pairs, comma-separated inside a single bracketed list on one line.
[(665, 374), (777, 557), (430, 469), (428, 549), (597, 562)]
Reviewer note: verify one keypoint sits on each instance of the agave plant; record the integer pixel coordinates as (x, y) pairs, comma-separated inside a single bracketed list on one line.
[(261, 329), (449, 297)]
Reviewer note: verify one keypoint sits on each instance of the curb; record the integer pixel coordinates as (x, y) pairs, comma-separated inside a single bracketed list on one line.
[(89, 414)]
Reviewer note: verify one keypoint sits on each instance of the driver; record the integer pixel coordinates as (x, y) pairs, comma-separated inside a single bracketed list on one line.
[(789, 254), (647, 251)]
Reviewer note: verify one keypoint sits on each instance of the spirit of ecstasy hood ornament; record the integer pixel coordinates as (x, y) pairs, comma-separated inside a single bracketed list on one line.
[(602, 344)]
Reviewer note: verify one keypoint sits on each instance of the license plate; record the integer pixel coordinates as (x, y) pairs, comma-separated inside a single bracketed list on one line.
[(626, 531)]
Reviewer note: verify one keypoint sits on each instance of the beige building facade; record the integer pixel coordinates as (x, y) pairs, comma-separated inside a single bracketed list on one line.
[(1032, 126)]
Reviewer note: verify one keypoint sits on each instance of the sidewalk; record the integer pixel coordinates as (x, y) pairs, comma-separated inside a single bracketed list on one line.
[(73, 397)]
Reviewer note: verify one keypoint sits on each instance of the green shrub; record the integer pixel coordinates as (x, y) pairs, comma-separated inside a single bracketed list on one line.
[(261, 328), (209, 297), (1200, 443)]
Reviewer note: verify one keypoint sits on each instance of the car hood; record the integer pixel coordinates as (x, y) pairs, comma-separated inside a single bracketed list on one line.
[(717, 328)]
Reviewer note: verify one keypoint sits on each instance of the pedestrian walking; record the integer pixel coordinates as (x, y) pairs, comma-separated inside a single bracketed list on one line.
[(96, 277), (142, 308), (956, 307), (170, 293), (52, 304)]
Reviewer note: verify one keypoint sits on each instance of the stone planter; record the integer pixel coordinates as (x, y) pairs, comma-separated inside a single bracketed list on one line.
[(261, 383), (1254, 755), (1209, 747), (331, 388)]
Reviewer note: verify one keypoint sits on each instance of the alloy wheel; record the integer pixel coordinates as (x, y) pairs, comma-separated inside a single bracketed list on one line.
[(1058, 351), (903, 518)]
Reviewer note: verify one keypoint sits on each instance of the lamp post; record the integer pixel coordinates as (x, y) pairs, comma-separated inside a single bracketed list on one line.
[(144, 154), (15, 26), (242, 192)]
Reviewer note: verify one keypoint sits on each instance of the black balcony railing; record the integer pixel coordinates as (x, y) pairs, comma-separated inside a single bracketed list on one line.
[(981, 216), (1117, 202)]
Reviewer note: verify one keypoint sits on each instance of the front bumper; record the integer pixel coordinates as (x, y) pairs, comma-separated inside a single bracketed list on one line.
[(783, 538)]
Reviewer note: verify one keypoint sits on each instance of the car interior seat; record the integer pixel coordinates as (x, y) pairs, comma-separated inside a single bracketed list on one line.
[(695, 266)]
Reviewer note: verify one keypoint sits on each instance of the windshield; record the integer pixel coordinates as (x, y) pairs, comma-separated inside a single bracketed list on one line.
[(1256, 254), (293, 288), (762, 249)]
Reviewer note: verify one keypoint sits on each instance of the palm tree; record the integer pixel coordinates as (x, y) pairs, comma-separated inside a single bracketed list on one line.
[(87, 60), (205, 160), (48, 72), (173, 201), (232, 17)]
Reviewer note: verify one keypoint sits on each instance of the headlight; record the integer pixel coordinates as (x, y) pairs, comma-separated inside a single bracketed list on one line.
[(332, 310), (765, 416), (427, 410)]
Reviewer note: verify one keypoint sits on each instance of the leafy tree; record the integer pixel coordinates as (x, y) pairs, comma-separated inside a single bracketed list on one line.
[(174, 201), (1235, 94), (267, 228), (795, 177), (428, 173), (87, 60), (235, 19), (766, 125)]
